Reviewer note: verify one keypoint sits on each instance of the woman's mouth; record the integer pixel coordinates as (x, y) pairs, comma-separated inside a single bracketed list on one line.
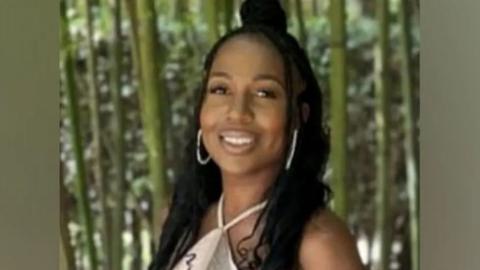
[(237, 142)]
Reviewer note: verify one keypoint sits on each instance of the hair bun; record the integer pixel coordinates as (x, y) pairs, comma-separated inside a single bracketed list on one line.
[(264, 12)]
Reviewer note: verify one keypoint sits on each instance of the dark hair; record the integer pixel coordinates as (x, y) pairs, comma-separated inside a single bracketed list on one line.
[(296, 194)]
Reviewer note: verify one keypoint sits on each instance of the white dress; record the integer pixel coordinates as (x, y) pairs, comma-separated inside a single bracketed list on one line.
[(212, 252)]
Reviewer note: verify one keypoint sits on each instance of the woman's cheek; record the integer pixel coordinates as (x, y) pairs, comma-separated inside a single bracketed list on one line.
[(205, 119)]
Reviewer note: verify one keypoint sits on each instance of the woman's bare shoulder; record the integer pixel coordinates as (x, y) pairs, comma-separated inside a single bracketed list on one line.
[(328, 244)]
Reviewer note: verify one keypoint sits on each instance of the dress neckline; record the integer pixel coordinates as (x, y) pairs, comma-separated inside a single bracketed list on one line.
[(240, 217)]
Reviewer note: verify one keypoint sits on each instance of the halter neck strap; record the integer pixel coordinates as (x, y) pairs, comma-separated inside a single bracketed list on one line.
[(238, 218)]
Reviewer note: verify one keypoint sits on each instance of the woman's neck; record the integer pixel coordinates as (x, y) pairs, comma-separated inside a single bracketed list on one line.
[(243, 192)]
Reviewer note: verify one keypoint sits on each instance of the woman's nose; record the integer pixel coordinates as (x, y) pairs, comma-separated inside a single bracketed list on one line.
[(240, 110)]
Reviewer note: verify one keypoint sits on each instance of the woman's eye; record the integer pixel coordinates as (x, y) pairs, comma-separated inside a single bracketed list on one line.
[(266, 93), (219, 90)]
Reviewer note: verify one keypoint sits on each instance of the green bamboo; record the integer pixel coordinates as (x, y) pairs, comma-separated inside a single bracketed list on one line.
[(382, 118), (301, 23), (118, 187), (211, 13), (94, 99), (339, 118), (153, 105), (409, 126), (228, 14), (315, 8), (131, 9), (73, 114), (131, 12), (94, 103)]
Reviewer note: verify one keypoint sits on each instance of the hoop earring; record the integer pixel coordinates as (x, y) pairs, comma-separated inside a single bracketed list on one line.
[(199, 157), (292, 150)]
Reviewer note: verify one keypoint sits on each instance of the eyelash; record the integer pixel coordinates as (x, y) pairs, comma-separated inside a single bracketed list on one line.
[(213, 90), (267, 92)]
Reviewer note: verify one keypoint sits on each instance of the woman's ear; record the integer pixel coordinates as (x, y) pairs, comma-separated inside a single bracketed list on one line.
[(305, 112)]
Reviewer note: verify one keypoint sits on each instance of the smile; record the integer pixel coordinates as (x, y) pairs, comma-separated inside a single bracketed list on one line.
[(237, 142)]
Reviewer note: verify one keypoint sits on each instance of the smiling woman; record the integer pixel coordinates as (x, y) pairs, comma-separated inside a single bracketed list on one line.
[(243, 116), (251, 195)]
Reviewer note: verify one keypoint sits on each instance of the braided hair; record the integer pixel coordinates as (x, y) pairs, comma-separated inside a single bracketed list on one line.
[(295, 195)]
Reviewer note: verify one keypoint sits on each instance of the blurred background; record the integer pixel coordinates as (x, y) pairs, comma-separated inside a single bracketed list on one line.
[(129, 73)]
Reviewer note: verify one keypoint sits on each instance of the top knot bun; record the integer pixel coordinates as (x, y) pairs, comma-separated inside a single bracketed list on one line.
[(264, 12)]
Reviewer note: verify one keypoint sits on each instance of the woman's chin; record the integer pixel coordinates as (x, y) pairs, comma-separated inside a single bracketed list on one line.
[(237, 168), (245, 166)]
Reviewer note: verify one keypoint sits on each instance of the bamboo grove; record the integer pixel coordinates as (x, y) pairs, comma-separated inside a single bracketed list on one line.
[(129, 73)]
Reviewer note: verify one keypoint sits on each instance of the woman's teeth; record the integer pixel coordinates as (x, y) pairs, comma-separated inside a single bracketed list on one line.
[(238, 141)]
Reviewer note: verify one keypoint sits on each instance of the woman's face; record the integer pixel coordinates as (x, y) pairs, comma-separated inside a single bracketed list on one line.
[(243, 115)]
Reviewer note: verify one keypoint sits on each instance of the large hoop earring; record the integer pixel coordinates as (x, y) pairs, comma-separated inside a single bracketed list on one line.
[(291, 152), (199, 156)]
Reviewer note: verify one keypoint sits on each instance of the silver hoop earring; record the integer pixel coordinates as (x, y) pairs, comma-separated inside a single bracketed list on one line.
[(292, 150), (199, 157)]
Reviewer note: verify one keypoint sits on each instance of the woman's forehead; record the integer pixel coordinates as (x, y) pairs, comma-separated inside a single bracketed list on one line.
[(248, 55)]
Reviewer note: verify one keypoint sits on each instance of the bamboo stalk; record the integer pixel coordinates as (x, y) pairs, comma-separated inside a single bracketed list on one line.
[(118, 188), (315, 8), (228, 14), (97, 165), (153, 104), (382, 117), (301, 23), (73, 114), (212, 19), (131, 9), (338, 90), (409, 126)]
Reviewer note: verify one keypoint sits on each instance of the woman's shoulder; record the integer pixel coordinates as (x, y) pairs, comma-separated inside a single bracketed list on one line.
[(328, 244)]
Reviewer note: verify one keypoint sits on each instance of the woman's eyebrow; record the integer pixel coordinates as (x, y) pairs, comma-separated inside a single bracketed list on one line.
[(220, 74), (267, 77), (258, 77)]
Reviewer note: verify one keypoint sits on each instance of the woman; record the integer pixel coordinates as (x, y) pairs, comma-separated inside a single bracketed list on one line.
[(250, 196)]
